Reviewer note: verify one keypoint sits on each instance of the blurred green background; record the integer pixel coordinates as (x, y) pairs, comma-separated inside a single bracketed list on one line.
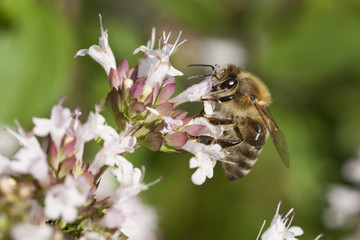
[(307, 52)]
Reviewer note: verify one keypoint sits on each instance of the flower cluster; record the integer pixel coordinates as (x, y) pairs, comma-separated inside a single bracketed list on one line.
[(140, 100), (280, 227), (63, 194), (343, 209), (55, 184)]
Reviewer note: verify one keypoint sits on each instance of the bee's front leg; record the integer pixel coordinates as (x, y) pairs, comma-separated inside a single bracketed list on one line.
[(214, 120)]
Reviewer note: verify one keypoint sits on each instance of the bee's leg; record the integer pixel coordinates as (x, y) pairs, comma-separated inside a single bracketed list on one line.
[(220, 100), (220, 121), (226, 98), (224, 143), (214, 120)]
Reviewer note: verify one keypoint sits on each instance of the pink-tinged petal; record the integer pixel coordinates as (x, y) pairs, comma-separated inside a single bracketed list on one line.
[(137, 88), (194, 129), (153, 141), (165, 108), (179, 114), (69, 149), (186, 120), (133, 73), (156, 89), (53, 155), (114, 79), (169, 80), (68, 164), (176, 139), (123, 68), (149, 99), (166, 92)]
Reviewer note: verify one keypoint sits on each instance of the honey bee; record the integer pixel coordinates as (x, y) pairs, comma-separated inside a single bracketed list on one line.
[(246, 119)]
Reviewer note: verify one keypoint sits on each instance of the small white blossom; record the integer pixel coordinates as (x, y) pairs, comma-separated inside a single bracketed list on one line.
[(156, 63), (29, 159), (101, 53), (344, 206), (94, 127), (193, 93), (136, 220), (280, 227), (130, 180), (56, 126), (204, 160), (62, 200), (204, 166), (351, 169), (28, 231), (112, 150)]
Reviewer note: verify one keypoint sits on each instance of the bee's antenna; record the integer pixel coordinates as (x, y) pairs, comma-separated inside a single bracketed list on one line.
[(213, 74), (202, 65)]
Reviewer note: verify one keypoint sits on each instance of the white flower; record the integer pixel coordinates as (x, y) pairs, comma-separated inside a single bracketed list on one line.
[(94, 127), (193, 93), (130, 180), (112, 150), (156, 63), (204, 160), (344, 206), (56, 126), (204, 166), (102, 53), (351, 169), (136, 220), (29, 159), (28, 231), (62, 200), (280, 227)]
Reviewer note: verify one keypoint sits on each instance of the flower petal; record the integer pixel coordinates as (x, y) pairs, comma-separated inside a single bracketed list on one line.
[(198, 177)]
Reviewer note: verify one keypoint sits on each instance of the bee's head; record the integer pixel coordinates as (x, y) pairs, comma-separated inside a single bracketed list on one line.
[(232, 84)]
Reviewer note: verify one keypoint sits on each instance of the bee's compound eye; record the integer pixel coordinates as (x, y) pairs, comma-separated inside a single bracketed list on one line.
[(229, 84)]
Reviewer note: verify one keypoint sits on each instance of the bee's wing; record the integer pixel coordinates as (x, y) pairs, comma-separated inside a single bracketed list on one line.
[(275, 133)]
